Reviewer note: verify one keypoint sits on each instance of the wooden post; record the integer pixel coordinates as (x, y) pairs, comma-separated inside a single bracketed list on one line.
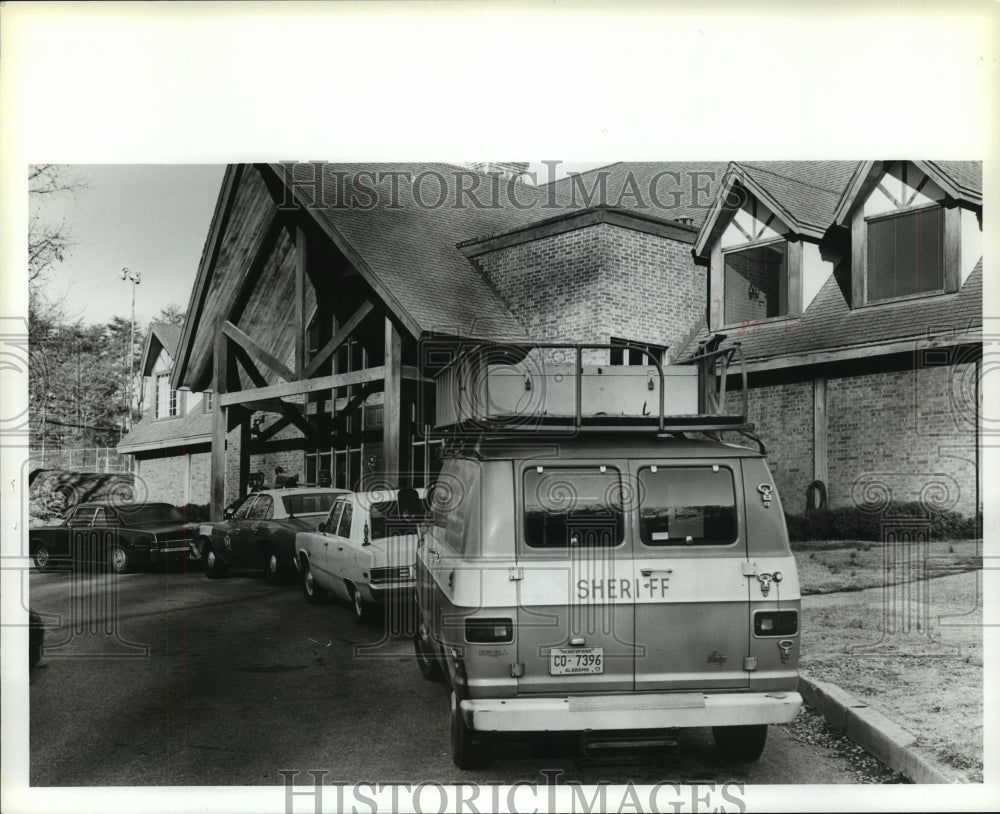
[(301, 242), (245, 451), (219, 424), (820, 448), (391, 410)]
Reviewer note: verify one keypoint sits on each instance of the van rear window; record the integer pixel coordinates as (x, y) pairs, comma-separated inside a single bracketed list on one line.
[(686, 505), (572, 507)]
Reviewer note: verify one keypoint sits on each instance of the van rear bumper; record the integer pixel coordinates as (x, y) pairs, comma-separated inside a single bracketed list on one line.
[(645, 711)]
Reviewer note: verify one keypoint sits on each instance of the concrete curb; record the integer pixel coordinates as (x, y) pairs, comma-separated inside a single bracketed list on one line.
[(872, 730)]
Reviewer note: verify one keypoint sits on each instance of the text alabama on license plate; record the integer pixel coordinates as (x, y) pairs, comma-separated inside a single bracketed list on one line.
[(572, 660)]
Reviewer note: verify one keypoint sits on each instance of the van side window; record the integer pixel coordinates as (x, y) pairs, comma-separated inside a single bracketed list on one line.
[(572, 507), (684, 505)]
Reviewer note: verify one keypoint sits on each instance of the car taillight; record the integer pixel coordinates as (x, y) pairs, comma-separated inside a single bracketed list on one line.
[(486, 631), (398, 572), (775, 623)]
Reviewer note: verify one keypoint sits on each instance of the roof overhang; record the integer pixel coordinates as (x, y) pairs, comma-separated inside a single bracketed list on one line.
[(868, 174), (167, 443), (736, 182), (580, 219)]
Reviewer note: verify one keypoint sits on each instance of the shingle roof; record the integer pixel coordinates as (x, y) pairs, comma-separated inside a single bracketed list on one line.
[(411, 248), (966, 174), (193, 428), (160, 335), (830, 323), (808, 190)]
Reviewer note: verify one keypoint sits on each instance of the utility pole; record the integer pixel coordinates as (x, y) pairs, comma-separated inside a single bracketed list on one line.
[(134, 277)]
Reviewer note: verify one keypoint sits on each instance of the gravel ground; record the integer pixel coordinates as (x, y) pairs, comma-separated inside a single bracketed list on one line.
[(812, 728), (913, 652)]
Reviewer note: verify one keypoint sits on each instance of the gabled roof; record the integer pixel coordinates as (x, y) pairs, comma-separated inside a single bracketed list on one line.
[(149, 433), (831, 325), (408, 251), (804, 194), (962, 180), (160, 336)]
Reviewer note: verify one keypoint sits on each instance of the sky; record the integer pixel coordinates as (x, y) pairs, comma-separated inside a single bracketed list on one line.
[(150, 218)]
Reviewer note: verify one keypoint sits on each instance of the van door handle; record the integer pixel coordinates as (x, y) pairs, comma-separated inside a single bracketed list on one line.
[(648, 572)]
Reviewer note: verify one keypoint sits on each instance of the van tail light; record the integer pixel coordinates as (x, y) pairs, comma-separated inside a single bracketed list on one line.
[(775, 623), (489, 631)]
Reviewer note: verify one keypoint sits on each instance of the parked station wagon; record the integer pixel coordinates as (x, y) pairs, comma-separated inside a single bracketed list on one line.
[(122, 536), (364, 551), (260, 532), (611, 577)]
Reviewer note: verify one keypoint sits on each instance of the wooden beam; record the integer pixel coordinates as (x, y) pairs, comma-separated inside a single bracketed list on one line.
[(859, 258), (274, 429), (247, 343), (219, 426), (820, 437), (952, 248), (369, 374), (248, 365), (392, 404), (302, 251), (338, 338)]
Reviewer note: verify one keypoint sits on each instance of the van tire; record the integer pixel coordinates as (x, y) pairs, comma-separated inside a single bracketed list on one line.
[(465, 753), (430, 667), (740, 743)]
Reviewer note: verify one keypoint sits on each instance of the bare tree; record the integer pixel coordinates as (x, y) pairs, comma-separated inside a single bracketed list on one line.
[(48, 243), (172, 314)]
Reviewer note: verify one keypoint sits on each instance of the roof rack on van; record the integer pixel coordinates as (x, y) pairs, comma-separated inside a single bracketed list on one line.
[(494, 388)]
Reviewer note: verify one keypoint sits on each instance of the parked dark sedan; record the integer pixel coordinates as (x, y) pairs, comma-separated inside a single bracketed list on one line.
[(260, 531), (121, 536)]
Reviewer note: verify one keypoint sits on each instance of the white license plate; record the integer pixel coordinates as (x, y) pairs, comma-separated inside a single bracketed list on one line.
[(564, 661)]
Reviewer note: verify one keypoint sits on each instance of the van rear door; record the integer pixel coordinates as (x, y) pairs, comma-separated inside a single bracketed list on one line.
[(575, 614), (692, 603)]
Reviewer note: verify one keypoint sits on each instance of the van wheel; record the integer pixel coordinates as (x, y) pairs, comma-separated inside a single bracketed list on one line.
[(430, 667), (465, 753), (742, 743), (314, 594), (214, 567)]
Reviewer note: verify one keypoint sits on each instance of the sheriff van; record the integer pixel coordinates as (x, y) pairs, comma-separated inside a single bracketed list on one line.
[(610, 573)]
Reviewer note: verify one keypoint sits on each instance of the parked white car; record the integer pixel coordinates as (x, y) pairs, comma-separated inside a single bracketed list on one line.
[(364, 551)]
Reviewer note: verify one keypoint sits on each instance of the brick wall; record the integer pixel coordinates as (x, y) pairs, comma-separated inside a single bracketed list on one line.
[(599, 282), (292, 461), (910, 434), (783, 416), (163, 477)]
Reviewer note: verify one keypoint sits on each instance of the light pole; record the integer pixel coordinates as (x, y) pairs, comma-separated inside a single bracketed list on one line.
[(134, 277)]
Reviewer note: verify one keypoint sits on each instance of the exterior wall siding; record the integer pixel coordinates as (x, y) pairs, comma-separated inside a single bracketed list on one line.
[(783, 417), (599, 282), (909, 435)]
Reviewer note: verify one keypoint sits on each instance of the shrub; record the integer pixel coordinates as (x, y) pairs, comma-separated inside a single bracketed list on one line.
[(865, 523)]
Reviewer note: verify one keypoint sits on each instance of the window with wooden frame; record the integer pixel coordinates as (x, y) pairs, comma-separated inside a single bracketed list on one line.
[(905, 254), (627, 352), (755, 281), (165, 401)]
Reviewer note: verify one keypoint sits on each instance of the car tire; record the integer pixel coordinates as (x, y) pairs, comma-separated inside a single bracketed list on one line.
[(211, 564), (119, 560), (465, 752), (741, 743), (42, 558), (430, 667), (274, 572), (313, 593), (363, 612)]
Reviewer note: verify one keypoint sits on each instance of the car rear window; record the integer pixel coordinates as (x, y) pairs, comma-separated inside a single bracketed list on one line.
[(308, 503), (387, 520), (570, 507), (686, 505)]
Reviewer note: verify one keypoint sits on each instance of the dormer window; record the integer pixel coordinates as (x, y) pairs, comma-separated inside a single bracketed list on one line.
[(756, 283), (906, 254)]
